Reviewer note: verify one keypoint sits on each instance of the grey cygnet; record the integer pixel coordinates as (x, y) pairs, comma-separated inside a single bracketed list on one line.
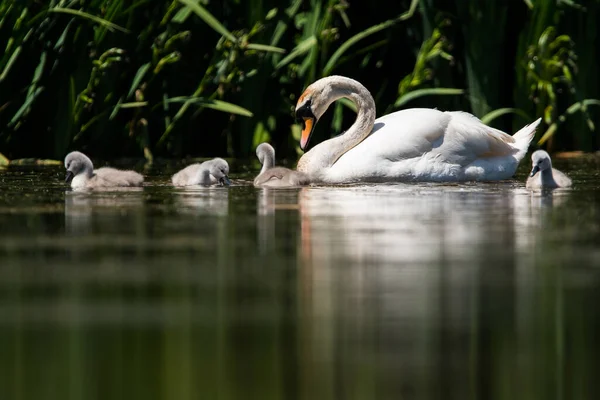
[(543, 175), (207, 173), (82, 175), (271, 176)]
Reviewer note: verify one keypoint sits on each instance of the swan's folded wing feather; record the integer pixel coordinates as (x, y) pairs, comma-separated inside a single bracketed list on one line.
[(470, 139)]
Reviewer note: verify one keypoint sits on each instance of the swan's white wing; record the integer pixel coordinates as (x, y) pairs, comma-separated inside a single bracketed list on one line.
[(426, 143), (453, 137)]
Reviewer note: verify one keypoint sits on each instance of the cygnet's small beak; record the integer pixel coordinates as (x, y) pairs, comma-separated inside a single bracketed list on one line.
[(69, 176), (534, 170), (225, 180)]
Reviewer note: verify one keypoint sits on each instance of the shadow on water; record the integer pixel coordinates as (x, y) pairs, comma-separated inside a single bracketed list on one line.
[(374, 291)]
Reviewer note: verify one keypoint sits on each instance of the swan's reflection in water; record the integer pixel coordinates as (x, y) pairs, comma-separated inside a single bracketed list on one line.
[(401, 272)]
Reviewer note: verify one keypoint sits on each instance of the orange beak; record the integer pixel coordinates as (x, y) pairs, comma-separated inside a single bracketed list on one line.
[(308, 127)]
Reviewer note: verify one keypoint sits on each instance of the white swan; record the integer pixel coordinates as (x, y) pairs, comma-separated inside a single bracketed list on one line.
[(272, 176), (414, 144), (82, 175), (206, 173), (543, 175)]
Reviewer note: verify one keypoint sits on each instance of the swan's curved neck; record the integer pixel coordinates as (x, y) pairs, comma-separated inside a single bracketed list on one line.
[(325, 154)]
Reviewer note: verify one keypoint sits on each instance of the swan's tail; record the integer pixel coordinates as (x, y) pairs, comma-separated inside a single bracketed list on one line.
[(523, 138)]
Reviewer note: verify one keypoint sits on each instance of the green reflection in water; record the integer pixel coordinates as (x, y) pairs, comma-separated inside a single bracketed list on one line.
[(380, 291)]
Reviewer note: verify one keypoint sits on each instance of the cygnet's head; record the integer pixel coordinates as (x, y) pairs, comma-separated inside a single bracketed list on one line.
[(540, 161), (219, 169), (77, 163)]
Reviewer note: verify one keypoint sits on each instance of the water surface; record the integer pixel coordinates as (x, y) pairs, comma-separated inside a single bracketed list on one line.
[(403, 291)]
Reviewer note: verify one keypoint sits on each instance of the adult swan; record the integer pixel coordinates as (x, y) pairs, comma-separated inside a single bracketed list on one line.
[(418, 144)]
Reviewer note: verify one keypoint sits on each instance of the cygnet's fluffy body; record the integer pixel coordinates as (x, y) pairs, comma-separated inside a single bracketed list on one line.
[(543, 175), (81, 174), (272, 176), (207, 173)]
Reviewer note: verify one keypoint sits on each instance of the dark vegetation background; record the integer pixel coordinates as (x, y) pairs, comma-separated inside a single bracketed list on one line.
[(182, 78)]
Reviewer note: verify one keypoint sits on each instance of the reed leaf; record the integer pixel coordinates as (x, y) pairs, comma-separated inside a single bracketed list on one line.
[(579, 106), (415, 94), (302, 48), (492, 115), (265, 47), (15, 119), (331, 64), (109, 25), (208, 18), (137, 79), (214, 104), (10, 63)]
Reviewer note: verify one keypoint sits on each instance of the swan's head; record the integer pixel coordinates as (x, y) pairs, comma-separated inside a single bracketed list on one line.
[(319, 95), (540, 161), (219, 169), (77, 163), (313, 103)]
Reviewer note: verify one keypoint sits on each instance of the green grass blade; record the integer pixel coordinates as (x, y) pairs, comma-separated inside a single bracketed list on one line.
[(265, 47), (37, 74), (331, 64), (302, 48), (133, 104), (207, 17), (10, 63), (24, 107), (579, 106), (411, 10), (138, 79), (492, 115), (182, 15), (366, 33), (426, 92), (281, 25), (109, 25), (214, 104)]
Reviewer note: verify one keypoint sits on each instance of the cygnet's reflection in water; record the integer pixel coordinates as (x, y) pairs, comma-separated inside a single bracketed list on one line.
[(270, 201), (201, 200), (392, 267), (533, 212), (86, 209)]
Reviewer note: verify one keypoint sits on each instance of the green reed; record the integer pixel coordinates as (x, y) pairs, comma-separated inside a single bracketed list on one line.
[(190, 77)]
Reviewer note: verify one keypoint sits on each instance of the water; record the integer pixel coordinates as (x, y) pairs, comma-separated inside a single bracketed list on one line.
[(404, 291)]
